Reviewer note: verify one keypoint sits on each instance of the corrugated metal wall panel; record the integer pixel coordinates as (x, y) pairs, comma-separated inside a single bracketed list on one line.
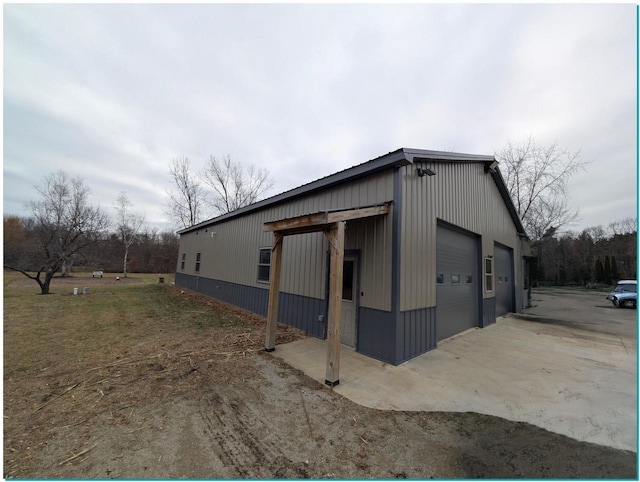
[(416, 333), (298, 311), (372, 236), (232, 253), (377, 334), (461, 194), (488, 311)]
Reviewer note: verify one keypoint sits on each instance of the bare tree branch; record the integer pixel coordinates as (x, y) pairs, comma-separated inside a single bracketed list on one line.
[(537, 178), (185, 203), (64, 224), (128, 225), (232, 186)]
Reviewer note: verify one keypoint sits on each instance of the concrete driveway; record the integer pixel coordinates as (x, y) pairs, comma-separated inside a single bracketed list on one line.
[(577, 382)]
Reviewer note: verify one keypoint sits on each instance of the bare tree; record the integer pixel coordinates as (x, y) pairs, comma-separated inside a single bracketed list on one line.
[(129, 225), (64, 224), (234, 187), (186, 202), (623, 226), (537, 178)]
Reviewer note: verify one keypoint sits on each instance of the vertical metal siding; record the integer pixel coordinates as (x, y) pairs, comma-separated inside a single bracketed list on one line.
[(299, 311), (488, 311), (462, 194), (372, 237), (418, 332), (377, 338), (232, 254)]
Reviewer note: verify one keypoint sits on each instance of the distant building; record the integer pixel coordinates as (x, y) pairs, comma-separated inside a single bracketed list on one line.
[(442, 251)]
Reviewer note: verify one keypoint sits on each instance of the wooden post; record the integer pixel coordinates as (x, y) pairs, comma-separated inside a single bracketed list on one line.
[(274, 292), (336, 241)]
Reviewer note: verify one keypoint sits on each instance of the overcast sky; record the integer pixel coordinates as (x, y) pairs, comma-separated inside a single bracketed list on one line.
[(113, 92)]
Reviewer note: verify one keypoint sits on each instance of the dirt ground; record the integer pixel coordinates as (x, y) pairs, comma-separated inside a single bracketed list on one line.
[(186, 406)]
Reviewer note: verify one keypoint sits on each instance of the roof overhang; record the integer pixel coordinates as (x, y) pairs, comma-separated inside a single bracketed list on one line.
[(394, 159), (401, 157)]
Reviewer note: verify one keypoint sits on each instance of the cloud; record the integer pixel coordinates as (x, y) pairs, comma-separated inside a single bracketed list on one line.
[(116, 91)]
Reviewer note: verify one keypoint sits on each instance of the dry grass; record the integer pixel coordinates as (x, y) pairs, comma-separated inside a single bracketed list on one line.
[(69, 359), (142, 380)]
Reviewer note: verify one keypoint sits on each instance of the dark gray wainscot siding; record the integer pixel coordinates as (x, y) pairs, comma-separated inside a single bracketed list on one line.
[(488, 311), (298, 311)]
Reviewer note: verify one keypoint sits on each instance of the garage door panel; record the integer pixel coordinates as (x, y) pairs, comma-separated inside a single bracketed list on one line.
[(457, 290)]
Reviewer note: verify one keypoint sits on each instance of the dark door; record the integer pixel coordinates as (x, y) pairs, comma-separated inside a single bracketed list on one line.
[(349, 300)]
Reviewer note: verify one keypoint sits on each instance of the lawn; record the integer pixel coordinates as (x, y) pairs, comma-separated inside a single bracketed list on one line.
[(69, 359), (138, 379)]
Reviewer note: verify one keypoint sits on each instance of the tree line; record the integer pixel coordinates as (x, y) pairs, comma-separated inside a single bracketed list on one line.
[(66, 230), (597, 255), (151, 251)]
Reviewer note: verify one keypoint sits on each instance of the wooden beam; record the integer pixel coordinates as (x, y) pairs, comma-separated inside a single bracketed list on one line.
[(297, 222), (304, 230), (333, 217), (334, 329), (320, 221), (274, 292)]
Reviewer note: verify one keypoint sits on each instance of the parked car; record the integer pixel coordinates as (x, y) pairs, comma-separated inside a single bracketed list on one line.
[(624, 299), (625, 293)]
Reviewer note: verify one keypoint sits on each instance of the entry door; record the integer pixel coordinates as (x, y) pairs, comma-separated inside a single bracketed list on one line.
[(349, 300)]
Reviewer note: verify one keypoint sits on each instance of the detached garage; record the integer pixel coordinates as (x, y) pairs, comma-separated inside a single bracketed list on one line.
[(426, 244)]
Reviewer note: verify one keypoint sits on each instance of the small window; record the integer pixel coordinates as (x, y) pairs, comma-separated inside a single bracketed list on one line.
[(469, 279), (197, 262), (440, 278), (347, 280), (264, 264), (184, 256), (455, 279), (488, 274)]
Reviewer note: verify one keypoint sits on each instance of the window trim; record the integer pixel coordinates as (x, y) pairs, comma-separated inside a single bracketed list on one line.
[(198, 259), (262, 265), (488, 274)]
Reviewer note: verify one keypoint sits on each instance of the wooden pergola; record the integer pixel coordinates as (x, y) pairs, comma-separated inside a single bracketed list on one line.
[(332, 224)]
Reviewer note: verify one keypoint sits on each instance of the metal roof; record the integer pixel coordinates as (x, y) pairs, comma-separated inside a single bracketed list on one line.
[(399, 157)]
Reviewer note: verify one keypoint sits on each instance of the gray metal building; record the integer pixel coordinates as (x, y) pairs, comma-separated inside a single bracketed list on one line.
[(446, 253)]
